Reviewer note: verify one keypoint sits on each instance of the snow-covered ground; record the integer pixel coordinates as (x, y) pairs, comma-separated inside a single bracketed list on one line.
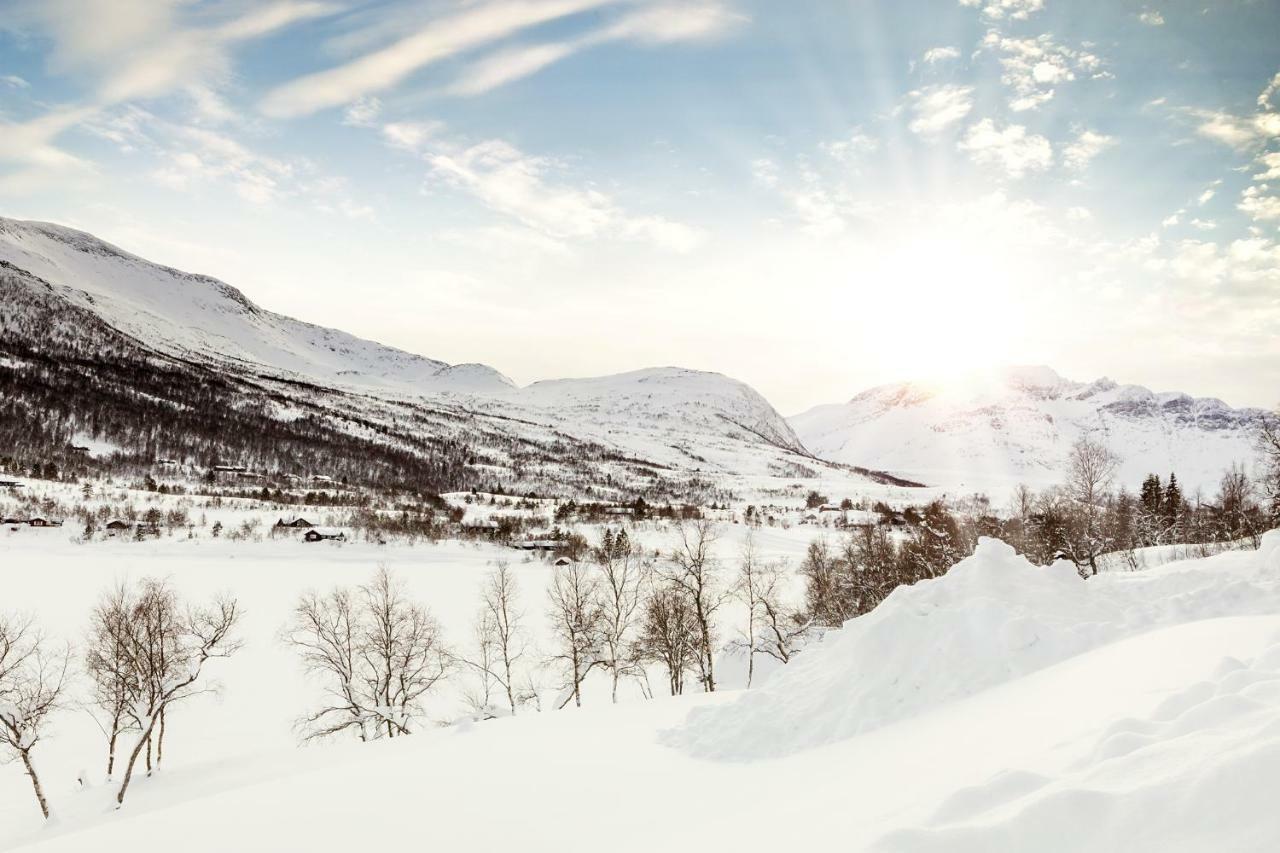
[(1002, 707)]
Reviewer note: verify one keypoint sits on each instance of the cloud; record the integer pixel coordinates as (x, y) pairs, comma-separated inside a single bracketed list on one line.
[(1011, 149), (1088, 145), (1079, 214), (521, 186), (940, 54), (130, 51), (660, 24), (410, 135), (1264, 99), (1207, 196), (1258, 204), (13, 81), (507, 66), (1151, 17), (1033, 67), (1235, 131), (363, 113), (851, 149), (382, 69), (1017, 10), (938, 107), (1271, 165)]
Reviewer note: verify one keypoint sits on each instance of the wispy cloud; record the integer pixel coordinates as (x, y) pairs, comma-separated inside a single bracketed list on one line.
[(382, 69), (935, 55), (524, 187), (995, 10), (936, 108), (1035, 67), (1011, 149), (664, 23), (1088, 144)]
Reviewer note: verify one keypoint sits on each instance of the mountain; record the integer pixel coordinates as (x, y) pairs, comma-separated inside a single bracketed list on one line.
[(195, 316), (191, 351), (991, 431)]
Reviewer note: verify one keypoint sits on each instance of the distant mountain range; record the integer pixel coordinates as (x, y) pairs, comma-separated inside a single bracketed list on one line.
[(155, 361), (661, 430), (996, 429)]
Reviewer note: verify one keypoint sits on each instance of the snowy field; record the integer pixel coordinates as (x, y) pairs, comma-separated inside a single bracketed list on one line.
[(1003, 707)]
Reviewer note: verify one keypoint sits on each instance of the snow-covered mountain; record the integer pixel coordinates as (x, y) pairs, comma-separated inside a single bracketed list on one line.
[(990, 431), (197, 316), (661, 418)]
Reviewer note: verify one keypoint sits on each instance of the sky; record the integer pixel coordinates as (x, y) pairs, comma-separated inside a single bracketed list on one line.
[(814, 197)]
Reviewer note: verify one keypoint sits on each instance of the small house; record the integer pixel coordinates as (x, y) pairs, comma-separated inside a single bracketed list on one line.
[(116, 525), (10, 484), (297, 523), (562, 561), (13, 520), (544, 545), (39, 521), (324, 534)]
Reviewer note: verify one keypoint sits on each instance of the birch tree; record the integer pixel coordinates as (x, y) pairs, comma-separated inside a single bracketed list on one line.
[(624, 574), (167, 649), (693, 570), (377, 655), (575, 620), (33, 677)]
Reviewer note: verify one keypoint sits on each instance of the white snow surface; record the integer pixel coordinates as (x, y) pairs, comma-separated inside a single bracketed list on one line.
[(1033, 711), (993, 618), (992, 430)]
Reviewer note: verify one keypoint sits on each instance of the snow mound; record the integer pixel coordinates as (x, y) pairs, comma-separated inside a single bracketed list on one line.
[(1195, 774), (993, 618)]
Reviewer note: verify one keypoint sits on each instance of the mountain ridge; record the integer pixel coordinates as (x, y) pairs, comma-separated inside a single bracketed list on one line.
[(1010, 425)]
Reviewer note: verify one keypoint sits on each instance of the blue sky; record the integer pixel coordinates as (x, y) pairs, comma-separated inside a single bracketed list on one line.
[(810, 196)]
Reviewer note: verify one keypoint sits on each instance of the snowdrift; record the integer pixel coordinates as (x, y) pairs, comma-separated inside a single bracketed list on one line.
[(993, 618)]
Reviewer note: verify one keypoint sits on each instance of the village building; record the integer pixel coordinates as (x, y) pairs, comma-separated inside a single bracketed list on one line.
[(324, 534), (39, 521), (296, 522), (545, 545)]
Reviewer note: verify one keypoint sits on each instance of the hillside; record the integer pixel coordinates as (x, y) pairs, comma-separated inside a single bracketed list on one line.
[(121, 320), (995, 430)]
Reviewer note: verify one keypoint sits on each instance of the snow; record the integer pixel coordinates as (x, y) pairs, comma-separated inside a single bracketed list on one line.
[(993, 618), (682, 423), (991, 431), (1001, 707)]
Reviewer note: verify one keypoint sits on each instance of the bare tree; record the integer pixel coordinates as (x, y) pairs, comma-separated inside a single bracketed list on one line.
[(500, 610), (624, 573), (693, 570), (749, 590), (1269, 447), (32, 679), (377, 653), (403, 652), (324, 631), (108, 662), (669, 635), (770, 628), (1091, 468), (167, 649), (575, 619), (1235, 494)]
